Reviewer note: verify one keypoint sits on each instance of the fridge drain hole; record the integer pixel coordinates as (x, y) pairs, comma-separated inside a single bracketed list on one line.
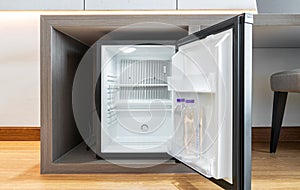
[(144, 128)]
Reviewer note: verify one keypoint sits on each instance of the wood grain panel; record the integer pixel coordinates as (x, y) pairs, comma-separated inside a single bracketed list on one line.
[(66, 56), (19, 133)]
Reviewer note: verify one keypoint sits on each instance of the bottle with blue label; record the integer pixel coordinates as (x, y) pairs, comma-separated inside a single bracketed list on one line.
[(178, 123), (191, 130)]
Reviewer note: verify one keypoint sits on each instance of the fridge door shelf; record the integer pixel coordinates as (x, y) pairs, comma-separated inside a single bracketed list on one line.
[(192, 83)]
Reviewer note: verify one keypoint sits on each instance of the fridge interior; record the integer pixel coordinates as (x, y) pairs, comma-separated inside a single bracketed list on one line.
[(202, 71), (136, 104)]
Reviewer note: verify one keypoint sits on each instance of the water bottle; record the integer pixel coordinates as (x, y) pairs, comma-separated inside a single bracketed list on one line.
[(178, 126), (191, 130)]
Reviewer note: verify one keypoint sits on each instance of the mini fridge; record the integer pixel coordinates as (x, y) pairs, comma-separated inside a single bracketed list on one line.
[(141, 83)]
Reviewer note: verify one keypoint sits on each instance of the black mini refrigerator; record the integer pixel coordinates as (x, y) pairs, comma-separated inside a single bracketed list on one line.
[(188, 100)]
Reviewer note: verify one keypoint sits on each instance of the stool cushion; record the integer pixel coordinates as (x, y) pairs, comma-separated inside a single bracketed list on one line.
[(287, 81)]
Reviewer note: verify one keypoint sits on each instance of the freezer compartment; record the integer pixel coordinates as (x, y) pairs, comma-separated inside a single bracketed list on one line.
[(136, 104)]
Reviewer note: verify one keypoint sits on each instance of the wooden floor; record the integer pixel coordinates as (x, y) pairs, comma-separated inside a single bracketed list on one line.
[(19, 169)]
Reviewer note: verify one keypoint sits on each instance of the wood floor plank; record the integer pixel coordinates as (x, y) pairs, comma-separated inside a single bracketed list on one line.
[(20, 169)]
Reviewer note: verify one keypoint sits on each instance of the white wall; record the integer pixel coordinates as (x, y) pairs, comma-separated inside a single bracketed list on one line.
[(265, 62), (19, 69), (41, 5), (19, 74)]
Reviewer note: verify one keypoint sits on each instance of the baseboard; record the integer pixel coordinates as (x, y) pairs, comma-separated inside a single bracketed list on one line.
[(19, 133), (259, 134), (287, 134)]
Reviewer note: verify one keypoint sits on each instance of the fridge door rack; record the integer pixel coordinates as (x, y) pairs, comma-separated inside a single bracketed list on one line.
[(192, 83)]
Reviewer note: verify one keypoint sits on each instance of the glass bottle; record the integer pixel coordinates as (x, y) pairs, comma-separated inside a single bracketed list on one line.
[(190, 130), (178, 126)]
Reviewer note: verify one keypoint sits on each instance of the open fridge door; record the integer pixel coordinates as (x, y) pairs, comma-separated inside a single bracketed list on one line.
[(212, 109)]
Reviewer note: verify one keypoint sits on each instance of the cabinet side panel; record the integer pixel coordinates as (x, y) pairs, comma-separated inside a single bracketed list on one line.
[(66, 55), (45, 77)]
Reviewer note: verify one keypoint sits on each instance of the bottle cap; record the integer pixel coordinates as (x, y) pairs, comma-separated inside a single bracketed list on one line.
[(190, 101), (180, 99)]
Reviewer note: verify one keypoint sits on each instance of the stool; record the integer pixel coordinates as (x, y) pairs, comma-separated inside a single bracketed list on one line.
[(281, 84)]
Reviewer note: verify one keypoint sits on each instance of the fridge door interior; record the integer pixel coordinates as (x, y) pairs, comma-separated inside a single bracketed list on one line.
[(202, 71), (205, 71)]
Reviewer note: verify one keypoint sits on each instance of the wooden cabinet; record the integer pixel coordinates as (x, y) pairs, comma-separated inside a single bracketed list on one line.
[(42, 5), (65, 40), (130, 5), (61, 53)]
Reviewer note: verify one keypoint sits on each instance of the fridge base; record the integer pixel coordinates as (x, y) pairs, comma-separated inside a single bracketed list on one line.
[(127, 147)]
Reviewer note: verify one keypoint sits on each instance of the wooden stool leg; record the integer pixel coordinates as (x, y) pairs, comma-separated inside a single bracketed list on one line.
[(278, 112)]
